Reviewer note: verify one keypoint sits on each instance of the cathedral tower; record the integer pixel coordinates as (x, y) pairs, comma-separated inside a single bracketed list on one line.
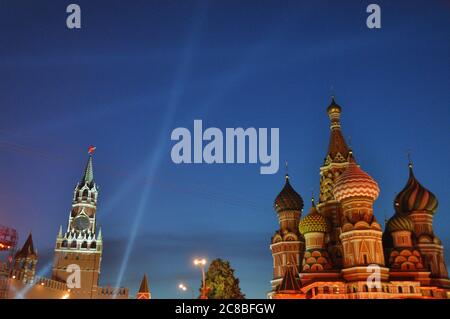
[(402, 257), (25, 262), (334, 164), (316, 261), (80, 245), (361, 234), (287, 244), (419, 205)]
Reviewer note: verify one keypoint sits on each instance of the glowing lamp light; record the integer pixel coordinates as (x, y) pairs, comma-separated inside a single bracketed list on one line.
[(200, 261), (65, 296), (182, 287)]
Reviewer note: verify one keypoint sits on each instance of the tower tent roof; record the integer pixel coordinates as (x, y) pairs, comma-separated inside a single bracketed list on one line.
[(27, 249), (289, 282), (143, 288), (88, 176)]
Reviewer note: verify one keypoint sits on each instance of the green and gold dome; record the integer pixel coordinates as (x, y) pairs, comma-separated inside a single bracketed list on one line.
[(314, 222)]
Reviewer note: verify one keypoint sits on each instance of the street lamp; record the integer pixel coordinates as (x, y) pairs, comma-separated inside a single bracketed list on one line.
[(201, 263), (184, 288)]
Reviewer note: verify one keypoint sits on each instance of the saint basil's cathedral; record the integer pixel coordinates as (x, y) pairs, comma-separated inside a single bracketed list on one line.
[(339, 250)]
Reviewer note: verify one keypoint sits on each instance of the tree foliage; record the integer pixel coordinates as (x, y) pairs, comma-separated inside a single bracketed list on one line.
[(221, 282)]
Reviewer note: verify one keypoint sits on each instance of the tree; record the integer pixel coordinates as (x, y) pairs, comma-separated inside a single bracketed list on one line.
[(221, 282)]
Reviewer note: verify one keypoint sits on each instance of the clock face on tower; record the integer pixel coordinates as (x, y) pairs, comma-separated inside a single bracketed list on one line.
[(81, 223)]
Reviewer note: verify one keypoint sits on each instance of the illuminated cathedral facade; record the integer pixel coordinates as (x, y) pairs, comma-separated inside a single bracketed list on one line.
[(340, 251)]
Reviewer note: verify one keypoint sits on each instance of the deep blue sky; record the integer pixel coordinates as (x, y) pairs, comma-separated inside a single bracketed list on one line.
[(137, 70)]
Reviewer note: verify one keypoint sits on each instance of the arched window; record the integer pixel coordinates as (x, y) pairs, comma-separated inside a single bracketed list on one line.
[(94, 245), (411, 289), (84, 244), (64, 243), (355, 289), (400, 290), (73, 244), (85, 194), (365, 288)]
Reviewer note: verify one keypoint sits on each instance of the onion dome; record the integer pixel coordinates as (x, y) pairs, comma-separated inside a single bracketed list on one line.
[(354, 182), (399, 223), (415, 197), (333, 107), (288, 199), (314, 222)]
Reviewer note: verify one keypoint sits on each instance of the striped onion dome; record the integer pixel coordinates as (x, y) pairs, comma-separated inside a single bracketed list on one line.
[(288, 198), (354, 182), (415, 197), (398, 223), (314, 222)]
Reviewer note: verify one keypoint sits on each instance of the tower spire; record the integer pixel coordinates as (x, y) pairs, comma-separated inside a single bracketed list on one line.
[(144, 291), (88, 176), (337, 148)]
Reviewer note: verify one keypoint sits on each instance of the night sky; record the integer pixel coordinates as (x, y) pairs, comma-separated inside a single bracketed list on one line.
[(138, 69)]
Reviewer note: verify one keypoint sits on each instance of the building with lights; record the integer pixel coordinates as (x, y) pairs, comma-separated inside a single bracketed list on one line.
[(340, 251), (77, 256)]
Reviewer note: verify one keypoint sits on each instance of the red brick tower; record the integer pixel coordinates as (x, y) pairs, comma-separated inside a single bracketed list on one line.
[(81, 245)]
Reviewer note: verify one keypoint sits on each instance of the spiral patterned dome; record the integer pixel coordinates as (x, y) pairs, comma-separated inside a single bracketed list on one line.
[(314, 222), (288, 198), (415, 197), (398, 223), (355, 182)]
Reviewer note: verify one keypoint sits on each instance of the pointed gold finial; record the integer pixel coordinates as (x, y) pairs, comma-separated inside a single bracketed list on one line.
[(410, 164), (286, 170)]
